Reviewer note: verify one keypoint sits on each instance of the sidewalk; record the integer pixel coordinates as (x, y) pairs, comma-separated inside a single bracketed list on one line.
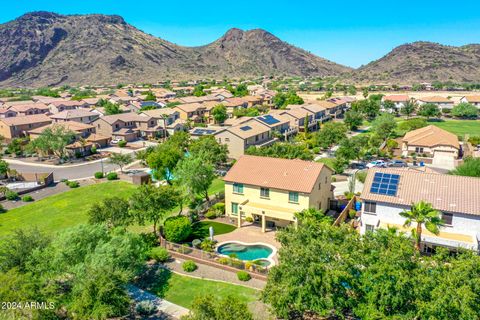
[(165, 307)]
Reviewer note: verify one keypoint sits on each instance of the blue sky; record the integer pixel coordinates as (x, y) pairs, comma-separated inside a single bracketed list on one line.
[(348, 32)]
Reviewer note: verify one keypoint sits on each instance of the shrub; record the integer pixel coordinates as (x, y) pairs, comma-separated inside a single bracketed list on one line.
[(122, 143), (248, 265), (145, 308), (99, 175), (207, 245), (361, 176), (316, 150), (196, 243), (224, 260), (112, 176), (11, 195), (189, 266), (249, 219), (219, 208), (237, 263), (73, 184), (211, 214), (27, 198), (352, 213), (243, 276), (159, 254), (177, 229), (150, 239), (93, 150), (2, 209)]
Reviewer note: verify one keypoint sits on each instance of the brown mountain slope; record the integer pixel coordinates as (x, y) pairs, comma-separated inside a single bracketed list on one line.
[(424, 61), (44, 48)]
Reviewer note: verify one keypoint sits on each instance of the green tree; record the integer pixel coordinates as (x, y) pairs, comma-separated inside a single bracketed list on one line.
[(120, 160), (428, 110), (4, 167), (227, 308), (408, 108), (53, 140), (151, 203), (469, 168), (164, 159), (331, 133), (353, 119), (195, 176), (465, 110), (384, 125), (388, 105), (110, 108), (365, 93), (283, 150), (422, 213), (198, 91), (240, 91), (219, 113), (368, 107), (150, 96), (113, 211), (209, 149)]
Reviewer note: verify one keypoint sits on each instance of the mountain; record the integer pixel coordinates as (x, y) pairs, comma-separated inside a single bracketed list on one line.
[(44, 48), (424, 61)]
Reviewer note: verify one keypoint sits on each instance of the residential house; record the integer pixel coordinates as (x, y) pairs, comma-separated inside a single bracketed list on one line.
[(399, 101), (299, 118), (319, 111), (126, 126), (193, 99), (168, 120), (59, 106), (198, 132), (276, 123), (272, 190), (5, 112), (222, 94), (387, 192), (77, 115), (336, 107), (81, 130), (17, 127), (191, 111), (441, 102), (241, 136), (475, 100), (431, 141), (254, 100), (29, 109)]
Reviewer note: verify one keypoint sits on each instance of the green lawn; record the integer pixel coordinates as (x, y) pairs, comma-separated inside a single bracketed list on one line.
[(182, 289), (460, 127), (200, 229), (62, 210), (218, 185), (328, 161)]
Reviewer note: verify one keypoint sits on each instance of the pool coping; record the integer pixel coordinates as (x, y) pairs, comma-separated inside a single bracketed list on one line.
[(269, 258)]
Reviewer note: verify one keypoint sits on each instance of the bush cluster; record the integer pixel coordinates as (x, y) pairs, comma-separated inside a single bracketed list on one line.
[(27, 198), (112, 176), (177, 229), (243, 276), (99, 175), (11, 195), (122, 143), (189, 266), (159, 254)]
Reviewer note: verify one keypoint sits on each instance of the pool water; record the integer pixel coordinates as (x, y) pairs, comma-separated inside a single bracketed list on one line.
[(245, 251)]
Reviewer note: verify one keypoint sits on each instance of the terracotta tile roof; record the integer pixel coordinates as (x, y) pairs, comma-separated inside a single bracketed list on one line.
[(97, 137), (473, 99), (198, 99), (158, 113), (16, 103), (68, 125), (249, 129), (325, 104), (190, 107), (431, 136), (34, 118), (234, 102), (445, 192), (435, 99), (314, 108), (285, 174), (71, 114), (28, 106), (397, 98), (69, 103), (125, 117), (298, 113)]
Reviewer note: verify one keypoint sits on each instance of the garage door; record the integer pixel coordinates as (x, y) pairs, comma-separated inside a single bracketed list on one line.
[(444, 160)]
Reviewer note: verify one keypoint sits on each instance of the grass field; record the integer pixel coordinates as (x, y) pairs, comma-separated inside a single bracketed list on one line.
[(217, 186), (182, 289), (327, 161), (62, 210), (460, 127), (200, 229)]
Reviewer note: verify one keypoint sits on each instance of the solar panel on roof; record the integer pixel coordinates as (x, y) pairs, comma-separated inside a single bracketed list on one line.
[(385, 184), (268, 119), (245, 128)]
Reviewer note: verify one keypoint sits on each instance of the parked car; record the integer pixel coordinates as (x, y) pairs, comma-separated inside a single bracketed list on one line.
[(397, 164), (377, 163), (358, 165), (115, 141)]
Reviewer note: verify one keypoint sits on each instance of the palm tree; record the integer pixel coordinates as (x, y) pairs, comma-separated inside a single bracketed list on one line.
[(423, 214)]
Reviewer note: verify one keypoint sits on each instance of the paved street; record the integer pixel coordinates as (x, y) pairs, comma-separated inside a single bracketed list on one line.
[(71, 172)]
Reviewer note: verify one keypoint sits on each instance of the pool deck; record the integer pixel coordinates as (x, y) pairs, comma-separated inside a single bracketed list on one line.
[(249, 233)]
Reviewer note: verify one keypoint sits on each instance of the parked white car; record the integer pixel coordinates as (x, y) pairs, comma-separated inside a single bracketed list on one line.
[(377, 163), (115, 141)]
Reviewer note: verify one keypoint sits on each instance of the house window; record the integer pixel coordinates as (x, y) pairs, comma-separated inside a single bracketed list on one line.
[(293, 197), (234, 208), (369, 228), (319, 185), (370, 207), (447, 218), (418, 150), (238, 188), (264, 193), (227, 139)]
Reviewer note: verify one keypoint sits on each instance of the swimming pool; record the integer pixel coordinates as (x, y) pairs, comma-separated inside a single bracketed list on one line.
[(248, 251)]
